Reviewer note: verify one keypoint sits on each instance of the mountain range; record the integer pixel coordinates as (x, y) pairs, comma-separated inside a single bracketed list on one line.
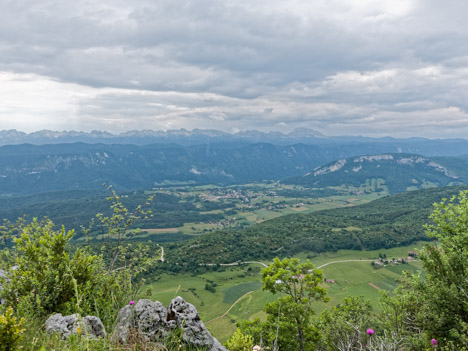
[(27, 168), (392, 172), (143, 137), (199, 136)]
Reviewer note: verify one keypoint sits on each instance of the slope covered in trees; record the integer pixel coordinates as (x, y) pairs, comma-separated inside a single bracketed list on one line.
[(395, 172), (76, 208), (388, 222), (26, 169)]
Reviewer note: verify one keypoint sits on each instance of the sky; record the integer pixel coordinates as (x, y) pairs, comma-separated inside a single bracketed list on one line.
[(342, 67)]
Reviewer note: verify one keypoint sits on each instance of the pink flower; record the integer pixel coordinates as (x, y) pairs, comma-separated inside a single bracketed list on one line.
[(434, 342), (131, 303), (370, 331)]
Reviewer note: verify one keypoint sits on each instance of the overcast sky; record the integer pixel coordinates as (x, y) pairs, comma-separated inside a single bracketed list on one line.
[(342, 67)]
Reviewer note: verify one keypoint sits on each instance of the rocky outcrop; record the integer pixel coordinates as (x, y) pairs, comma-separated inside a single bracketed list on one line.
[(146, 316), (186, 317), (67, 325), (153, 321)]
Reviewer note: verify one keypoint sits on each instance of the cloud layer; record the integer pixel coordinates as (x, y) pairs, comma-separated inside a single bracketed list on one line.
[(369, 67)]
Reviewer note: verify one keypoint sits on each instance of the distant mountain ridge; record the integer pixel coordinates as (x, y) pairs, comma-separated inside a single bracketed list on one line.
[(199, 136), (397, 172), (142, 137), (27, 168)]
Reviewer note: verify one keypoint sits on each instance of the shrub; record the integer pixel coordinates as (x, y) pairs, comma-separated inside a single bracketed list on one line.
[(210, 287), (239, 342), (51, 279), (10, 330)]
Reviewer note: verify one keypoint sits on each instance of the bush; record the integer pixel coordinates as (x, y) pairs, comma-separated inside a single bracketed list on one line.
[(10, 330), (210, 287), (240, 342), (50, 279)]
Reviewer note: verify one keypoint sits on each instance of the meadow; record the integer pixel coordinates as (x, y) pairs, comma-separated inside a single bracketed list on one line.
[(238, 289), (243, 205)]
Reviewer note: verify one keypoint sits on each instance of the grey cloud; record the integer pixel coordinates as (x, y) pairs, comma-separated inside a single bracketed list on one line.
[(334, 65)]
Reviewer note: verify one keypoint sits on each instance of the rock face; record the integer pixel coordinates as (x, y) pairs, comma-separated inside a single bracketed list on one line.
[(3, 277), (154, 321), (148, 317), (68, 325)]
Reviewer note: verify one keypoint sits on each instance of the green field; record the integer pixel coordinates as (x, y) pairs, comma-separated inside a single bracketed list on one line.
[(244, 283), (244, 205)]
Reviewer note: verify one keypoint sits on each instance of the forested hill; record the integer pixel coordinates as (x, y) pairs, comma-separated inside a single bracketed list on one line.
[(391, 221), (77, 208), (392, 172), (26, 169)]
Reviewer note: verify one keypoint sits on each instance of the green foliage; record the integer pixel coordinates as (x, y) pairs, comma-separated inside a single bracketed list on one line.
[(396, 172), (36, 338), (49, 278), (344, 326), (299, 281), (288, 324), (10, 330), (240, 342), (46, 272), (73, 208), (445, 266), (116, 226), (210, 287), (391, 221), (436, 305), (7, 258)]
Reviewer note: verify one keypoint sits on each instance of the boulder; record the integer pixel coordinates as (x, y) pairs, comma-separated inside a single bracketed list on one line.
[(146, 316), (94, 327), (154, 322), (68, 325), (195, 333)]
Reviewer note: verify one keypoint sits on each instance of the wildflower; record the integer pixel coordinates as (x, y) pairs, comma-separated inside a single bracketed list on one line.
[(434, 342), (131, 303), (257, 348), (370, 331)]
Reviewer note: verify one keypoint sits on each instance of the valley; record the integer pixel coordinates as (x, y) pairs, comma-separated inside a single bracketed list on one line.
[(241, 285), (239, 206), (190, 210), (233, 175), (207, 239)]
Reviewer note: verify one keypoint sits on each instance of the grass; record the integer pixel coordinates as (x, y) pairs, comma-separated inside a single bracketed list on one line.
[(351, 279), (235, 292), (262, 203), (35, 338)]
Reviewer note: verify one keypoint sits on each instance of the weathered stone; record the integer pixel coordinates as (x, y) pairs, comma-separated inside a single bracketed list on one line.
[(187, 318), (94, 327), (153, 321), (67, 325), (146, 317), (57, 324)]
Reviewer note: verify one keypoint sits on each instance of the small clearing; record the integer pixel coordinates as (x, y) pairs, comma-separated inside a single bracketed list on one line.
[(160, 230), (326, 264), (230, 308)]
